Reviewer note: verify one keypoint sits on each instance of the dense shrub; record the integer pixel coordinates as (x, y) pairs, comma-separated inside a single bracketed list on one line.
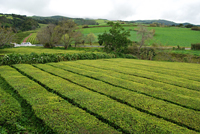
[(85, 26), (195, 28), (34, 58), (195, 46), (143, 53), (7, 46), (178, 48)]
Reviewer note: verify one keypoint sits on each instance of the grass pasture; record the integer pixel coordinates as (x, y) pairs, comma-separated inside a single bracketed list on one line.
[(107, 96), (167, 36), (38, 50)]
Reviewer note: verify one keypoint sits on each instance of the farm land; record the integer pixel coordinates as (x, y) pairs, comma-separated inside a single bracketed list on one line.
[(108, 95)]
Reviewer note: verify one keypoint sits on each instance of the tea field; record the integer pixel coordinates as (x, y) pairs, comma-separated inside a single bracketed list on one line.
[(100, 96)]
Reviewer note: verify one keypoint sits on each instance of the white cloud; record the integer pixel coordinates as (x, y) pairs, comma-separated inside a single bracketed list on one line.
[(175, 10)]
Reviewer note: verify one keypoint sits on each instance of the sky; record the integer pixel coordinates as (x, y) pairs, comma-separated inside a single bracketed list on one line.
[(179, 11)]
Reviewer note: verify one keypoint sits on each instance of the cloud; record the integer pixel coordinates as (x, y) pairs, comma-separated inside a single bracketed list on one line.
[(121, 9), (188, 12), (29, 7), (175, 10)]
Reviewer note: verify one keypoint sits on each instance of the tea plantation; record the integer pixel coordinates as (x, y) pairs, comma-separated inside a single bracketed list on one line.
[(100, 96)]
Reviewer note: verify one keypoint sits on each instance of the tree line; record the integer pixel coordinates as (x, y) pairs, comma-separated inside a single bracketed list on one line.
[(18, 23), (66, 32)]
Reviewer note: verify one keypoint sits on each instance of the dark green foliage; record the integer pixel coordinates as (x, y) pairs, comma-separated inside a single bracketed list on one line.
[(85, 26), (19, 22), (195, 28), (100, 42), (45, 57), (195, 46), (189, 26), (144, 53), (7, 46), (34, 58), (117, 40), (179, 48)]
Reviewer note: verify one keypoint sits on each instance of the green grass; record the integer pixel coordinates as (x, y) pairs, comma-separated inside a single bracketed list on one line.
[(167, 36), (38, 50), (188, 52), (102, 22), (109, 95)]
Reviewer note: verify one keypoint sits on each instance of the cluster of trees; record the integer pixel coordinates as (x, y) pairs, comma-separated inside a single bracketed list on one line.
[(6, 36), (55, 20), (117, 39), (64, 33), (18, 22)]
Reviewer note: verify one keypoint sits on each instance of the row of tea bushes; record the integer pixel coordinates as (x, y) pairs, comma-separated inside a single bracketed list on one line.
[(164, 86), (60, 115), (139, 101), (126, 118), (192, 85)]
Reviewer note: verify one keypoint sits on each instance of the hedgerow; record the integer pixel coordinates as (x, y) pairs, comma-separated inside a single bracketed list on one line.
[(57, 113), (34, 58), (149, 82), (128, 119), (193, 85)]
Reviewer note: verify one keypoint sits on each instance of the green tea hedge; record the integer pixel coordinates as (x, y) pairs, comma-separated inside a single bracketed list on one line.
[(34, 58)]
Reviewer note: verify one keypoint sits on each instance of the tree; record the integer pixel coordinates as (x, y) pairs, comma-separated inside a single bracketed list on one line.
[(144, 34), (49, 36), (6, 36), (117, 40), (69, 29), (90, 38), (78, 38)]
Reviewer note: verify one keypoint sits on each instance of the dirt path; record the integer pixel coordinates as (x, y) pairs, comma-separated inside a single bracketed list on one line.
[(27, 38)]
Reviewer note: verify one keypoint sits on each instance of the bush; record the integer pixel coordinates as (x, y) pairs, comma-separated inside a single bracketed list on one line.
[(85, 26), (178, 48), (195, 28), (7, 46), (144, 53), (195, 46)]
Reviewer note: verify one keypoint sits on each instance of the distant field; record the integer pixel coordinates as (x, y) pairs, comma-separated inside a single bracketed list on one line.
[(190, 52), (183, 37), (108, 96), (32, 39), (28, 50), (102, 22), (168, 36)]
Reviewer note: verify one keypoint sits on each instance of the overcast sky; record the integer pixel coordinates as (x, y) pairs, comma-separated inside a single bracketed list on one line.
[(174, 10)]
